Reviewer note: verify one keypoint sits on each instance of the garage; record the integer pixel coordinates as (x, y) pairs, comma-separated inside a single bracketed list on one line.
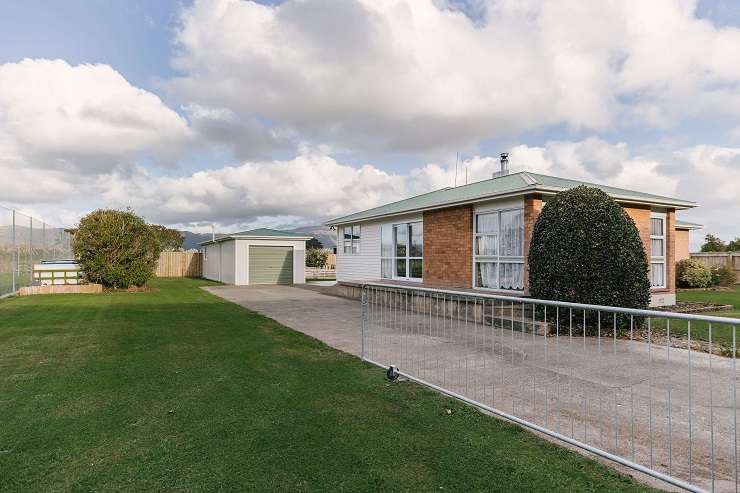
[(258, 256), (270, 264)]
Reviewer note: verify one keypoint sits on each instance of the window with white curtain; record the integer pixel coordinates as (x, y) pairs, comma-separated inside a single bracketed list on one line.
[(351, 239), (402, 251), (657, 250), (498, 250)]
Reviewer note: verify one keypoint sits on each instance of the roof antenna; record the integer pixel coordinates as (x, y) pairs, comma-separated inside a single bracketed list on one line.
[(457, 158), (466, 174)]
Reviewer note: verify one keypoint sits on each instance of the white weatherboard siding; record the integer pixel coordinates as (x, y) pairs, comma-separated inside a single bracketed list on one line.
[(361, 266), (365, 266), (501, 204)]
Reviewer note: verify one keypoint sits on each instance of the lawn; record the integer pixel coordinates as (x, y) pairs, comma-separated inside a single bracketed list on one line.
[(178, 390), (721, 334)]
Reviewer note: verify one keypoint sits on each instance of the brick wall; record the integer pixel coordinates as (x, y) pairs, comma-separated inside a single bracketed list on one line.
[(670, 259), (532, 208), (682, 244), (641, 217), (448, 247)]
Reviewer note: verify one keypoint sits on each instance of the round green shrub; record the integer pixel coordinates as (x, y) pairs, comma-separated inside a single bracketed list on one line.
[(586, 249), (693, 274), (115, 248)]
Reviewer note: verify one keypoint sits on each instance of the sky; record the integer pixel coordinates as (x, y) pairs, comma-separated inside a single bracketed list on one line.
[(244, 114)]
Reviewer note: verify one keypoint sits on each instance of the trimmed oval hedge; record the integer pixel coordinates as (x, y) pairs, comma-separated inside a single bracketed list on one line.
[(586, 249), (115, 248)]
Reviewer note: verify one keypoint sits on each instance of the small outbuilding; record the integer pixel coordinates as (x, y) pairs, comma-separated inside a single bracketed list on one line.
[(258, 256)]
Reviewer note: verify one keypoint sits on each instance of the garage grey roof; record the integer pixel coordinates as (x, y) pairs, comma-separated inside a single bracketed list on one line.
[(503, 186), (687, 225), (262, 234)]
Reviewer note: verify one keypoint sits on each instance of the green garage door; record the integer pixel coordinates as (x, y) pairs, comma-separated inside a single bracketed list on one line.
[(270, 265)]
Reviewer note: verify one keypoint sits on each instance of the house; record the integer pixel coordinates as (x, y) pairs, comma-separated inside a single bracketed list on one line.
[(258, 256), (477, 235)]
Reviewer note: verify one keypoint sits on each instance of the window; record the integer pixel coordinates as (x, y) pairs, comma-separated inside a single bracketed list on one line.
[(498, 253), (657, 250), (386, 251), (351, 239), (402, 251)]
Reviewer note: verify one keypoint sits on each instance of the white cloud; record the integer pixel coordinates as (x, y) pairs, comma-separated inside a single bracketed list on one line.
[(83, 118), (314, 186), (401, 74)]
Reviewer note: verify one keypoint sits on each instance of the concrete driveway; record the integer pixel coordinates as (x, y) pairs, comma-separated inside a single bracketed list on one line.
[(335, 321), (636, 400)]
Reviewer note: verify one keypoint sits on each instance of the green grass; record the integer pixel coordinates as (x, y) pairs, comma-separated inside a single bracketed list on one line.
[(721, 334), (178, 390)]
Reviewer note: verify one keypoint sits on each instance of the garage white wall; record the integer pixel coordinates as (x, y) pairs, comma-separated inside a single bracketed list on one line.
[(228, 261), (212, 261)]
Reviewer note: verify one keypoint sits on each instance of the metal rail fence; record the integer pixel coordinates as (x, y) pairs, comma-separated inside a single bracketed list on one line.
[(652, 390), (24, 241)]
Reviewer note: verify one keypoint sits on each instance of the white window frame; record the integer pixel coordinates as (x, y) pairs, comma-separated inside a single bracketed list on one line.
[(497, 259), (659, 259), (408, 258), (354, 242)]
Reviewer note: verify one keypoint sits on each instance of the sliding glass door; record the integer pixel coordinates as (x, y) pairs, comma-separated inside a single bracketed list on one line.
[(402, 251)]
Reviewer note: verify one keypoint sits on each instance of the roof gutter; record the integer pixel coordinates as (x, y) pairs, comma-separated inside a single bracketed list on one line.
[(676, 204)]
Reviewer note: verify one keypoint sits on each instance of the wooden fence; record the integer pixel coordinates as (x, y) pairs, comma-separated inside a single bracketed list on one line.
[(719, 259), (179, 264), (331, 261), (319, 273)]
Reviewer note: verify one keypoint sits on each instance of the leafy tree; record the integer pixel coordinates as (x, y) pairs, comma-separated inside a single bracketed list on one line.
[(586, 249), (170, 239), (734, 245), (713, 244), (314, 243), (316, 257), (116, 248)]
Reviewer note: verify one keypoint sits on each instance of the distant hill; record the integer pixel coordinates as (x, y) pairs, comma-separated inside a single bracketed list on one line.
[(321, 233), (192, 240), (327, 237)]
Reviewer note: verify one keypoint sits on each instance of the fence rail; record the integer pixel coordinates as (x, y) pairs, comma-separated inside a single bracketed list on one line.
[(179, 264), (720, 259), (655, 391), (25, 241)]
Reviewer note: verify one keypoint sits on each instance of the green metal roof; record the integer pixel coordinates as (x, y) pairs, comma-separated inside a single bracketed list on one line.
[(260, 233), (687, 225), (502, 186)]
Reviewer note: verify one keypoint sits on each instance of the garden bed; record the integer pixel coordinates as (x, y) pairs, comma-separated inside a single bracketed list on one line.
[(695, 307)]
